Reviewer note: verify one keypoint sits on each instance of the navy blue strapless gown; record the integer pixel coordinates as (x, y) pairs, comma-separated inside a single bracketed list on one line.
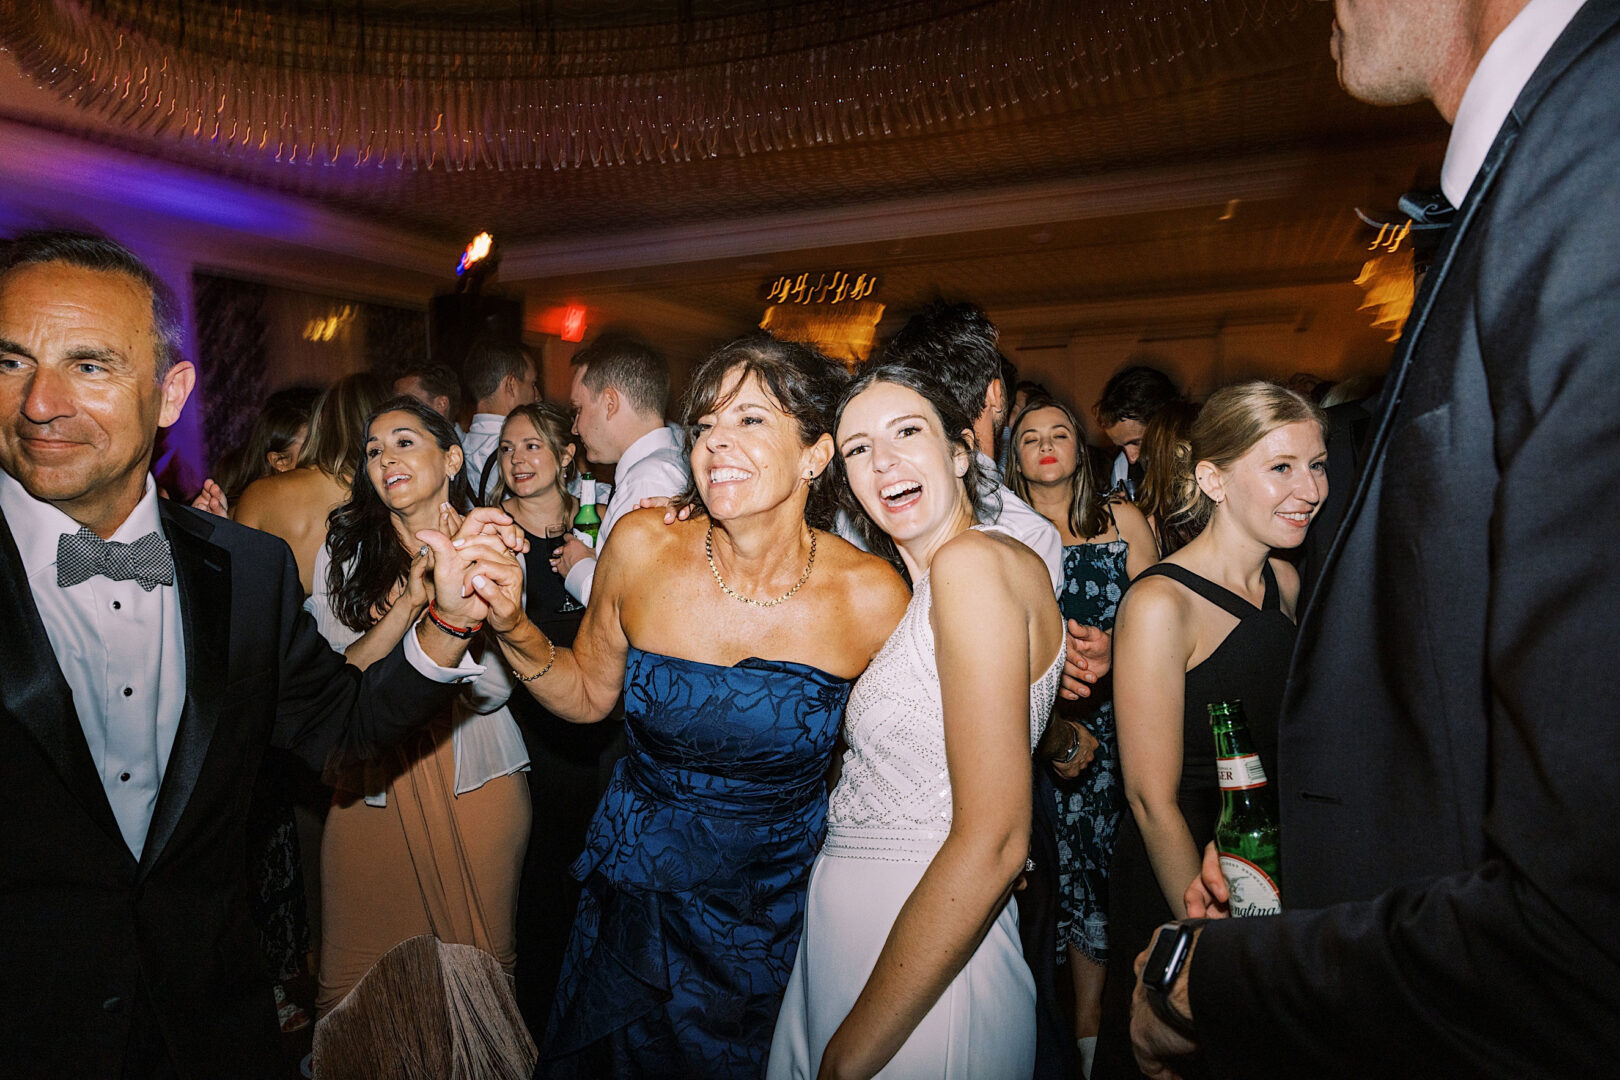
[(695, 871)]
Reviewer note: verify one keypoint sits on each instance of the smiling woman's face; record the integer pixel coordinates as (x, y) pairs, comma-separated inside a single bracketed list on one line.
[(405, 463), (904, 470), (748, 455)]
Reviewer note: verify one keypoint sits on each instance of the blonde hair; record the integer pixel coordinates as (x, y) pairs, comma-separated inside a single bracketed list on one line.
[(337, 427), (552, 423), (1166, 456), (1231, 422), (1088, 515)]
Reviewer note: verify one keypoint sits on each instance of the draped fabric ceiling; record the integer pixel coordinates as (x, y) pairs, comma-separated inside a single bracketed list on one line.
[(556, 123)]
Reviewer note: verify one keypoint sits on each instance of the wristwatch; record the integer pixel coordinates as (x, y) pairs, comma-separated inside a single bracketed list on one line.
[(1172, 943)]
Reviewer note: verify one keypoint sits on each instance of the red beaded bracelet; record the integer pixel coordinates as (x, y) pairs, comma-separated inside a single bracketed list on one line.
[(462, 632)]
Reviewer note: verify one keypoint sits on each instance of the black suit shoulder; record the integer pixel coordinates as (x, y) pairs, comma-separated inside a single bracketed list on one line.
[(225, 533), (1446, 774)]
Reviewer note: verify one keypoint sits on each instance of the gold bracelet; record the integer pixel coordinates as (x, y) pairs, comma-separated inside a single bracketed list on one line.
[(552, 645)]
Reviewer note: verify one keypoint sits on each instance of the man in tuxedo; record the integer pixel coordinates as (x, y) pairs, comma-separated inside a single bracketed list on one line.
[(153, 652), (1449, 743)]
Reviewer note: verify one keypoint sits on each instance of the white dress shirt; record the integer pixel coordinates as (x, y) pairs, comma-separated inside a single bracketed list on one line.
[(1502, 73), (1121, 472), (1024, 522), (654, 466), (478, 443), (485, 740), (121, 650)]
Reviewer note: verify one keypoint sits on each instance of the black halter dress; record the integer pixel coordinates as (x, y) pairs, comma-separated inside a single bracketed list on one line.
[(1251, 666)]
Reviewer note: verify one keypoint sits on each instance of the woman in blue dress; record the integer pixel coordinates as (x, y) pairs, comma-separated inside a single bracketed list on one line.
[(1107, 542), (736, 635)]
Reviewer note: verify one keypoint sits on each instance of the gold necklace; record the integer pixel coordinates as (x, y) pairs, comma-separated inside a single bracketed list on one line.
[(708, 550)]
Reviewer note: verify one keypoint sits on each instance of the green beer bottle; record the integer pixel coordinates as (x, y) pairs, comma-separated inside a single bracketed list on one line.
[(587, 522), (1247, 836)]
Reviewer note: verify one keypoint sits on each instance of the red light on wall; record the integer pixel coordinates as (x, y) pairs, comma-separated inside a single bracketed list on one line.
[(573, 323), (566, 321)]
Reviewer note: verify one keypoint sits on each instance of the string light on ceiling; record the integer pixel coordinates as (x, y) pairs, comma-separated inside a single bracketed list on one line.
[(389, 85)]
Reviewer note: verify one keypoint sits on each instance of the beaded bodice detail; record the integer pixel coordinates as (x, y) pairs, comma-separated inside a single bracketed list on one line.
[(893, 799)]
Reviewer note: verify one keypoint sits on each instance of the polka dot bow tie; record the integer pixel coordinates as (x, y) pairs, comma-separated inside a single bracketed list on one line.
[(83, 555)]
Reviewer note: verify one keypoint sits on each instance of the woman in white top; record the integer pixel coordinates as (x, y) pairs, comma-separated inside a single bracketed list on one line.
[(910, 963), (429, 839)]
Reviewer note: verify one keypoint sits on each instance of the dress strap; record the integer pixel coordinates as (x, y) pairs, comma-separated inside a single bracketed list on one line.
[(1272, 600), (1219, 595)]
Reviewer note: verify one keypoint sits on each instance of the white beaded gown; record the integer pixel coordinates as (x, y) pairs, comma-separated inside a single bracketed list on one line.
[(888, 817)]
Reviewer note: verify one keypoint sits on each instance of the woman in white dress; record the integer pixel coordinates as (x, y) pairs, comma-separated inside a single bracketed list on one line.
[(910, 964)]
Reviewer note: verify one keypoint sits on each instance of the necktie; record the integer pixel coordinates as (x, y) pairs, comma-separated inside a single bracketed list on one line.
[(83, 555)]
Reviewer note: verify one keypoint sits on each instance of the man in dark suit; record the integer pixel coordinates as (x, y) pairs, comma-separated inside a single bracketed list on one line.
[(152, 653), (1450, 745)]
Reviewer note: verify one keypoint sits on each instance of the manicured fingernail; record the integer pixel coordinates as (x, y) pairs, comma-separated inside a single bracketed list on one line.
[(457, 543), (479, 581)]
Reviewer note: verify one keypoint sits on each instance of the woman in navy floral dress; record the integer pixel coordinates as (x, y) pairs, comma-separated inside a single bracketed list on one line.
[(1106, 543), (735, 636)]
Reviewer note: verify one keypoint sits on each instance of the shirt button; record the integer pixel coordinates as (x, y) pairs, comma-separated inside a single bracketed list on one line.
[(124, 776), (128, 691), (117, 606)]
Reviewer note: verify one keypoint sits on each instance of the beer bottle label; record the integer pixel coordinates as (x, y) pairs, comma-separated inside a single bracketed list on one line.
[(1240, 773), (1252, 890)]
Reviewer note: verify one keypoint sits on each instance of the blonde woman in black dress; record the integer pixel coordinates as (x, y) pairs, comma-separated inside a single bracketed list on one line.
[(1213, 622)]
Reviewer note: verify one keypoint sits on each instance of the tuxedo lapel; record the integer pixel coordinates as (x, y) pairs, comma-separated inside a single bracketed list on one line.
[(203, 578), (37, 696), (1389, 405), (1595, 18)]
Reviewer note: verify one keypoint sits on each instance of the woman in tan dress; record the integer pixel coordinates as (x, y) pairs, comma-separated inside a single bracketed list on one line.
[(424, 847)]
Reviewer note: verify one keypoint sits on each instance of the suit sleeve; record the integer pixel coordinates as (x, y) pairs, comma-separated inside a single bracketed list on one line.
[(1512, 970), (330, 713)]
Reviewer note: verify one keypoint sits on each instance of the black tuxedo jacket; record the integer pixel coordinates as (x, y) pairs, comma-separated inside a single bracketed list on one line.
[(1450, 744), (85, 929)]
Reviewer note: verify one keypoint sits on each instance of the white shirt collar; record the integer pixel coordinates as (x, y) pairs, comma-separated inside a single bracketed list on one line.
[(1502, 73), (659, 438), (486, 423), (35, 524)]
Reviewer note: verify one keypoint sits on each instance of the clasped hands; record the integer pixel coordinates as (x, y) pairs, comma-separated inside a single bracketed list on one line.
[(469, 568)]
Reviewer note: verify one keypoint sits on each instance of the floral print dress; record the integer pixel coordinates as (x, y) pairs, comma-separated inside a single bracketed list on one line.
[(1089, 806)]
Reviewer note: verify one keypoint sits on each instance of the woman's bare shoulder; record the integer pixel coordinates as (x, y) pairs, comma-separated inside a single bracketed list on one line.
[(1154, 597), (865, 576), (292, 495)]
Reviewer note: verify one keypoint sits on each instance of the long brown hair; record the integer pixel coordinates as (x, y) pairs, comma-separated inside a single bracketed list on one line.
[(337, 428), (1231, 422), (366, 557), (1088, 514), (1166, 457)]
